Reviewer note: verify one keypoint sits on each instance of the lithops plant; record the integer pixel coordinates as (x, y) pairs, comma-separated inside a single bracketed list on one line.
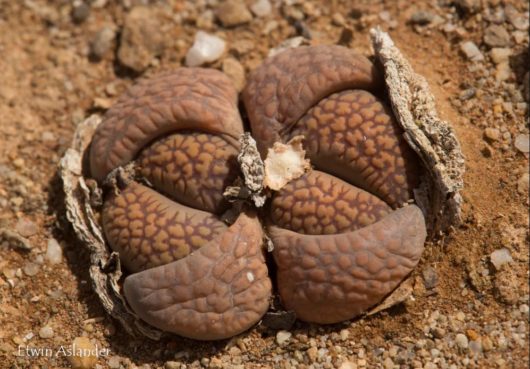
[(344, 234), (338, 245), (190, 273)]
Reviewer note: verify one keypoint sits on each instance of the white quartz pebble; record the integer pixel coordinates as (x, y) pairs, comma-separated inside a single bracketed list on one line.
[(205, 49), (54, 253)]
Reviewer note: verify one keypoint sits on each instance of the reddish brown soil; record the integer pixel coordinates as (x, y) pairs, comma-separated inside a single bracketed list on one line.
[(49, 84)]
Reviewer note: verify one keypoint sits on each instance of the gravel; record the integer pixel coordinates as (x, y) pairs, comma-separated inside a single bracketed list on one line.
[(83, 361), (46, 332), (54, 252), (522, 143), (233, 13), (496, 36), (283, 337), (500, 257), (492, 134), (500, 54), (31, 269), (172, 365), (430, 278), (523, 183), (468, 6), (14, 240), (206, 49), (102, 42), (80, 12), (503, 72), (26, 228), (113, 362), (422, 17), (471, 51), (141, 39), (261, 8), (462, 341), (517, 19)]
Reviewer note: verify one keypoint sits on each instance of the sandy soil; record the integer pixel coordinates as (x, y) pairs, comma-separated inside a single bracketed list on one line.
[(465, 312)]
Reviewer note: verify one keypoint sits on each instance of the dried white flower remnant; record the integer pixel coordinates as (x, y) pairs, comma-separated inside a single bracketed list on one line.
[(284, 163)]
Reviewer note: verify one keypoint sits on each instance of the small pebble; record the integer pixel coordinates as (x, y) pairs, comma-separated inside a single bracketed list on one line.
[(172, 365), (344, 334), (385, 16), (9, 273), (206, 49), (471, 51), (47, 136), (430, 279), (500, 257), (487, 344), (348, 365), (520, 37), (26, 228), (302, 29), (233, 13), (216, 363), (46, 332), (141, 40), (496, 36), (468, 6), (54, 252), (17, 201), (500, 54), (503, 72), (421, 17), (518, 20), (205, 20), (523, 183), (282, 337), (79, 346), (388, 363), (80, 12), (338, 19), (462, 341), (261, 8), (467, 94), (438, 332), (472, 334), (522, 143), (114, 362), (293, 13), (460, 316), (475, 347), (31, 269), (493, 134), (19, 163), (102, 42), (312, 354)]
